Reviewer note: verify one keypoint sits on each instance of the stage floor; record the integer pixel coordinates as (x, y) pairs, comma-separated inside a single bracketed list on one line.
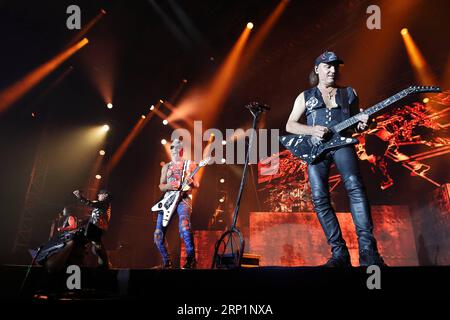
[(254, 285)]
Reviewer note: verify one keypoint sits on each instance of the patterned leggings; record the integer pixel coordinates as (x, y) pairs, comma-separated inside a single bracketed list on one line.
[(184, 217)]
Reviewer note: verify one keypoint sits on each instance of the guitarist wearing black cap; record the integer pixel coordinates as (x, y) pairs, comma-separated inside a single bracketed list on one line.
[(325, 105)]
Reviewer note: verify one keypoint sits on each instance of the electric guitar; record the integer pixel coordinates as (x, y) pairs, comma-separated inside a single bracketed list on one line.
[(310, 148), (171, 198)]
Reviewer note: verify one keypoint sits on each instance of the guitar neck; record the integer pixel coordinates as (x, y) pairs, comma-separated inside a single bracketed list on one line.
[(370, 111), (190, 176)]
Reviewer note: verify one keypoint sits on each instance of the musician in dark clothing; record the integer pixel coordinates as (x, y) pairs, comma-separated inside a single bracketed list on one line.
[(64, 222), (98, 223), (325, 105)]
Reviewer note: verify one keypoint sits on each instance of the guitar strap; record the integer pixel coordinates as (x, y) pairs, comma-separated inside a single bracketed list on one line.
[(185, 164), (345, 107)]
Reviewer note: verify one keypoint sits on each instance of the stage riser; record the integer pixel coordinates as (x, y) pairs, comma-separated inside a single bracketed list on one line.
[(297, 239)]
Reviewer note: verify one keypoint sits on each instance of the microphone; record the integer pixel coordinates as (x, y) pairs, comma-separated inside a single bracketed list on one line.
[(257, 107)]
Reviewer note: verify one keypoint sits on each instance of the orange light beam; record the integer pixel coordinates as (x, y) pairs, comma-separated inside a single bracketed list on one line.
[(174, 115), (17, 90), (118, 154), (86, 28), (222, 82), (163, 116), (52, 86), (262, 33), (421, 68), (141, 123), (178, 91)]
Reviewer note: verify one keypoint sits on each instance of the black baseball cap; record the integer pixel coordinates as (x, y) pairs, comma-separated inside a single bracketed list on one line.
[(328, 57)]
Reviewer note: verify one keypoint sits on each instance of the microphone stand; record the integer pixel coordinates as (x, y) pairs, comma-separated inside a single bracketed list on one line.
[(226, 240), (29, 269)]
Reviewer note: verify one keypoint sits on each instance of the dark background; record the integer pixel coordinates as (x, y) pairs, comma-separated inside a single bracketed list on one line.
[(149, 62)]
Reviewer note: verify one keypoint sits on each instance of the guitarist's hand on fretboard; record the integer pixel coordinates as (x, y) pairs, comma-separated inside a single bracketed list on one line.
[(191, 183), (363, 119)]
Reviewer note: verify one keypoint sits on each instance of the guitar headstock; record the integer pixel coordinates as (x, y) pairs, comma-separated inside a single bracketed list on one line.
[(204, 162), (422, 89)]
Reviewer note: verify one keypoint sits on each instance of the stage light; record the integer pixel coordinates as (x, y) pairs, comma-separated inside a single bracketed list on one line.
[(109, 105), (102, 152), (221, 200), (224, 142), (33, 114), (223, 160), (143, 116), (250, 25), (18, 89), (161, 100), (222, 180), (420, 66), (152, 107), (98, 177), (105, 128), (163, 141), (426, 100), (165, 122), (185, 81)]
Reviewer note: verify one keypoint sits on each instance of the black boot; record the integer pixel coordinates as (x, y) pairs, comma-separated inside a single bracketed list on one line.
[(339, 261), (191, 263), (369, 257)]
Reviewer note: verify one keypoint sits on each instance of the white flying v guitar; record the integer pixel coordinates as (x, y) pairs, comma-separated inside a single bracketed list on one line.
[(170, 200)]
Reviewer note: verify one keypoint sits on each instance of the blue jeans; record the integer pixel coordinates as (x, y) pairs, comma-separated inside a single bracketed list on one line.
[(184, 226)]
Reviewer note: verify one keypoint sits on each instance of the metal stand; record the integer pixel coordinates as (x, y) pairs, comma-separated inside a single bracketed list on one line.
[(229, 249), (29, 270)]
